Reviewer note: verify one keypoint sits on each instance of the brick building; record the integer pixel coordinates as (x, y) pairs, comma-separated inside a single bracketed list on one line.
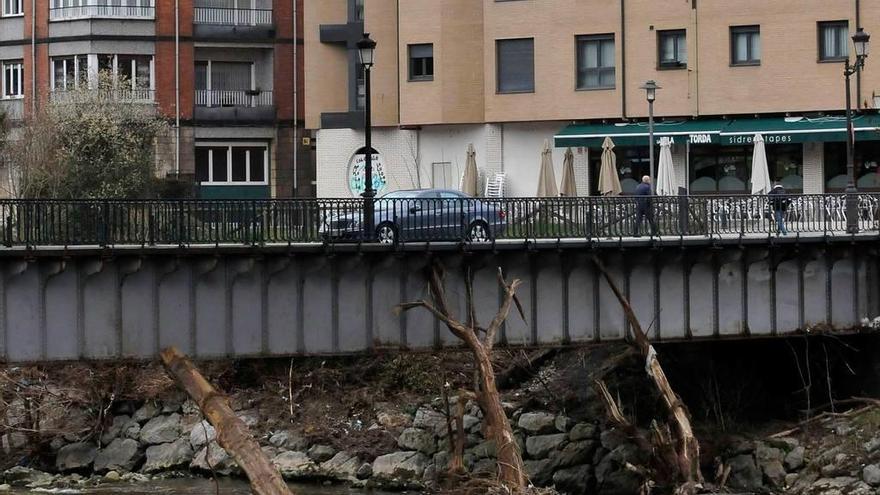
[(226, 70), (509, 75)]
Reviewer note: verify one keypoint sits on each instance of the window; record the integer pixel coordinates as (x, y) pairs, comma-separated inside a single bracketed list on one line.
[(515, 65), (672, 49), (745, 45), (720, 169), (239, 164), (69, 73), (866, 161), (225, 84), (785, 163), (633, 163), (595, 62), (833, 40), (421, 62), (13, 79), (358, 10), (13, 7)]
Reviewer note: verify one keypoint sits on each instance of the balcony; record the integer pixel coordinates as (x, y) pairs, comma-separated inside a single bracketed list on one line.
[(142, 9), (234, 105), (233, 22), (144, 96)]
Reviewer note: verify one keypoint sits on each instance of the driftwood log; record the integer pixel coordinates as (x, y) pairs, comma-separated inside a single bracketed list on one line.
[(686, 447), (232, 434), (511, 473)]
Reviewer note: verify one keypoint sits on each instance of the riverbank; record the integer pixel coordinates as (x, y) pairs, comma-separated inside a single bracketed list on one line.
[(380, 422)]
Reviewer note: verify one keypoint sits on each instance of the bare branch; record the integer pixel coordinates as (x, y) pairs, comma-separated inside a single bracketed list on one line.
[(503, 311)]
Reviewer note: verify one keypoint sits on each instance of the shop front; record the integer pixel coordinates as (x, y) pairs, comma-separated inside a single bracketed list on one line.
[(715, 156)]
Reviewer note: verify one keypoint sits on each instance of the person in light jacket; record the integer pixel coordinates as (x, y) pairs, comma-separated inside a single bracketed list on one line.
[(645, 206), (779, 204)]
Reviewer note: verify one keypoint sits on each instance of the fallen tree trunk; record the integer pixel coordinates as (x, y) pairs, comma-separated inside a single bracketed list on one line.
[(232, 434), (687, 447)]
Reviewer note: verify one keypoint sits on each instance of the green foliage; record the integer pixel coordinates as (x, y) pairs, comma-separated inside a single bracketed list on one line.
[(89, 143)]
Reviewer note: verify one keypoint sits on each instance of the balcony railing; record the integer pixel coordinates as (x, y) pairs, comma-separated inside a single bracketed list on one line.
[(692, 219), (144, 10), (233, 17), (89, 96), (233, 98)]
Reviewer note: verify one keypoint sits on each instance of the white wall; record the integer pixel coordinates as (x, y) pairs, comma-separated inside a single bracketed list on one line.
[(523, 143), (448, 143)]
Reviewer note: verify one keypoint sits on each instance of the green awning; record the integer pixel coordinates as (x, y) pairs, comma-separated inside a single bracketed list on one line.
[(706, 131), (783, 130)]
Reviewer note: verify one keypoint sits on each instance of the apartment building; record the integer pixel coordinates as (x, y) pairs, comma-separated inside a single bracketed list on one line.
[(508, 75), (228, 71)]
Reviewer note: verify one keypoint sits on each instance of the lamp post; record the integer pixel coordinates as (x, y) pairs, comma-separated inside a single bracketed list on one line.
[(651, 88), (366, 50), (861, 42)]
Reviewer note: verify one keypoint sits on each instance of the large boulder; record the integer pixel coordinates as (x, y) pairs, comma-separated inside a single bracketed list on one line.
[(24, 476), (212, 458), (122, 454), (416, 439), (201, 434), (575, 453), (289, 440), (871, 474), (621, 482), (295, 465), (115, 429), (582, 431), (148, 411), (537, 423), (430, 420), (744, 473), (168, 455), (161, 429), (540, 472), (321, 453), (484, 449), (576, 479), (405, 466), (794, 460), (76, 456), (539, 447), (342, 466)]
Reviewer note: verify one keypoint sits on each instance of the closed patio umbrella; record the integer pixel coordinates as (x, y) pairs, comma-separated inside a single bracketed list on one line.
[(665, 171), (546, 176), (760, 175), (609, 182), (469, 177), (568, 188)]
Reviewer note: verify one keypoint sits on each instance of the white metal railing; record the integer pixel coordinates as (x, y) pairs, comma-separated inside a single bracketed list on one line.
[(144, 10), (233, 98), (233, 17), (130, 95)]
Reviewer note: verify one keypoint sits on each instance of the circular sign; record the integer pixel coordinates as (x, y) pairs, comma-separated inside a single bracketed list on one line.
[(356, 173)]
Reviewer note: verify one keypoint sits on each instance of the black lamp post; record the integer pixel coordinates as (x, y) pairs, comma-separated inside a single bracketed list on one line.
[(366, 50), (651, 88), (861, 41)]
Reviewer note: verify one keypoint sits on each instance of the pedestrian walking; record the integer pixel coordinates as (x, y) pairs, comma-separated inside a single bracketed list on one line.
[(645, 206), (779, 204)]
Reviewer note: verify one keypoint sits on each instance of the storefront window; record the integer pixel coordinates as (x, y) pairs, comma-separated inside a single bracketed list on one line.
[(786, 165), (633, 163), (720, 169), (865, 160)]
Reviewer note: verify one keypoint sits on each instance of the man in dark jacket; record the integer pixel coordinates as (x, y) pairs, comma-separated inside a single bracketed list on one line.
[(779, 204), (645, 206)]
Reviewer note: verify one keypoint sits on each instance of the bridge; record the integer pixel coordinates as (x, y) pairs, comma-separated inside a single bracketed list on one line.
[(123, 279)]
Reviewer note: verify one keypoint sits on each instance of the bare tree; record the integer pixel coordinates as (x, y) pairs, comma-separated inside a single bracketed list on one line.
[(510, 463)]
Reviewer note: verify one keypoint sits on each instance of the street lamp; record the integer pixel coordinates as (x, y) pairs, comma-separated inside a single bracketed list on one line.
[(651, 88), (366, 51), (861, 41)]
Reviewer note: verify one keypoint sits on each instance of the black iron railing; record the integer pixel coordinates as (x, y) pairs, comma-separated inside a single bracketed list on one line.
[(34, 223)]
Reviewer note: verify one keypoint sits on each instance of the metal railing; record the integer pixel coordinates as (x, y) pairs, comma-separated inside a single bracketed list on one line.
[(144, 10), (233, 98), (255, 222), (232, 17), (138, 95)]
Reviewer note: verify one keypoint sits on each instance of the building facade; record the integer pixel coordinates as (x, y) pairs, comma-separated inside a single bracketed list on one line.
[(225, 73), (510, 75)]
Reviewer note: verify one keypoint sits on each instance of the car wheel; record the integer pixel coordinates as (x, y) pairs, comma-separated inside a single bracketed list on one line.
[(479, 232), (386, 233)]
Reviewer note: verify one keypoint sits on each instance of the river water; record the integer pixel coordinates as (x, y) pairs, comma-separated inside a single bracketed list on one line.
[(200, 487)]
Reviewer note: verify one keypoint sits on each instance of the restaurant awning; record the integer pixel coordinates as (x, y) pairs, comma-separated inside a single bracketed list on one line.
[(783, 130), (636, 134)]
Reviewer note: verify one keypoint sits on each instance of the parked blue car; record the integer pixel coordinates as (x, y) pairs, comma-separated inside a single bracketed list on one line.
[(417, 215)]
